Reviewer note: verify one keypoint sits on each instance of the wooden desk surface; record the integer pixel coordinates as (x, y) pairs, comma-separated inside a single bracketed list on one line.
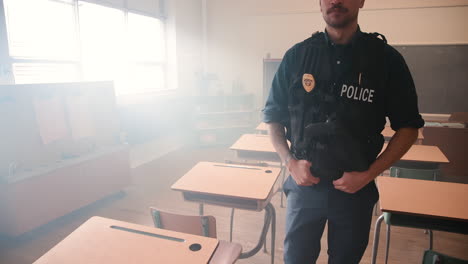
[(241, 181), (254, 142), (428, 198), (423, 153), (97, 241), (388, 133), (262, 127)]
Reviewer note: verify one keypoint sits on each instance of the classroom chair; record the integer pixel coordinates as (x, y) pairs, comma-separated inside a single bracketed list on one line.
[(433, 257), (204, 225), (403, 220)]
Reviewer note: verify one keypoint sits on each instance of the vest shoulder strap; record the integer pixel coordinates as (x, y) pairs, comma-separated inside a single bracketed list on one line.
[(317, 39), (376, 36)]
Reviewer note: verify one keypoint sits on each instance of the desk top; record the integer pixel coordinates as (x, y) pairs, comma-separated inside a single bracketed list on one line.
[(420, 197), (423, 153), (102, 240), (254, 142), (248, 182), (262, 127), (452, 124)]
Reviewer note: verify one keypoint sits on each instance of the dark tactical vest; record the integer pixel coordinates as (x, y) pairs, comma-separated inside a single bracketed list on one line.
[(337, 125)]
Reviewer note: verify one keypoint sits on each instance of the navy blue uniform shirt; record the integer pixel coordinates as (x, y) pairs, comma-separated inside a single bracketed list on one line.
[(400, 101)]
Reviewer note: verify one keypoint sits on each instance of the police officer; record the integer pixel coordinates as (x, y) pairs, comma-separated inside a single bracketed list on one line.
[(332, 93)]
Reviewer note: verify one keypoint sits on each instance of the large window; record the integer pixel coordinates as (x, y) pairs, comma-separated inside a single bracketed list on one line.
[(146, 53), (71, 40), (102, 35), (42, 40)]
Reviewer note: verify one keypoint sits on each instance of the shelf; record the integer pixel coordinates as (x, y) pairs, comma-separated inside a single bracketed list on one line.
[(224, 127), (227, 112), (222, 118)]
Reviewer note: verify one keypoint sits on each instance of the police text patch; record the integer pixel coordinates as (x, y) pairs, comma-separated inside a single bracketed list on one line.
[(357, 93)]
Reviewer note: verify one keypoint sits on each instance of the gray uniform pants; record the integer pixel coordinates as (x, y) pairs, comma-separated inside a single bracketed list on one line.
[(348, 215)]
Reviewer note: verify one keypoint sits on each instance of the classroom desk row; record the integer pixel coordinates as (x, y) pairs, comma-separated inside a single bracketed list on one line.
[(440, 200), (101, 240)]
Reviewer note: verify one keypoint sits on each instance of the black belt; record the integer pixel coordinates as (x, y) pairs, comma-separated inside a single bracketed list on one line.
[(326, 173)]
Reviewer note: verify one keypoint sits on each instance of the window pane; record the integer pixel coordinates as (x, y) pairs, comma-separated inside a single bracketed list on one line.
[(146, 38), (102, 38), (142, 78), (45, 72), (41, 29)]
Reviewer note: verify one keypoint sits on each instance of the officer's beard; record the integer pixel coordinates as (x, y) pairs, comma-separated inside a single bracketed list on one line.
[(347, 20)]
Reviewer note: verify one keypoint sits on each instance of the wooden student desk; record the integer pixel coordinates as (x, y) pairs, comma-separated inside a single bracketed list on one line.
[(102, 240), (258, 147), (262, 128), (255, 147), (426, 199), (428, 157), (233, 186)]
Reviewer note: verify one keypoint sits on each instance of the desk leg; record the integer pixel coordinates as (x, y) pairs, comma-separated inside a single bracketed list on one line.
[(232, 225), (270, 217), (375, 246), (200, 209), (265, 241)]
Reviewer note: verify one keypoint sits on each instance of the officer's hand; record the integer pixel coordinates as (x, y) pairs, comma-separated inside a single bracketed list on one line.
[(300, 171), (352, 182)]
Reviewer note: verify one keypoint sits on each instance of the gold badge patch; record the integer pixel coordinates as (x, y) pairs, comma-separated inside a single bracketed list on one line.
[(308, 81)]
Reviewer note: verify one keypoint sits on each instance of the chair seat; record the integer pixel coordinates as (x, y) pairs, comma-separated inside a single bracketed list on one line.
[(415, 221), (226, 253)]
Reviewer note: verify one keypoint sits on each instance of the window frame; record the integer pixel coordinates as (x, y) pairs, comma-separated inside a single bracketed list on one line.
[(7, 61)]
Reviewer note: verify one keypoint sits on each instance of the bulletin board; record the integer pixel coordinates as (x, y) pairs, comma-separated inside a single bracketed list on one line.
[(44, 124)]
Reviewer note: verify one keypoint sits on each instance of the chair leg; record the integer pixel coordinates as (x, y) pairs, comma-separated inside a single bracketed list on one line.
[(375, 245), (388, 244), (264, 241), (431, 239), (283, 172), (232, 225)]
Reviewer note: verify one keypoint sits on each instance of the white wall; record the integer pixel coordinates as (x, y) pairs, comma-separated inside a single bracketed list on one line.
[(242, 32), (188, 30)]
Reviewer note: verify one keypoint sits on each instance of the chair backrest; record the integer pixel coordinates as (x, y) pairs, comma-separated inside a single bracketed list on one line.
[(419, 174), (204, 225)]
